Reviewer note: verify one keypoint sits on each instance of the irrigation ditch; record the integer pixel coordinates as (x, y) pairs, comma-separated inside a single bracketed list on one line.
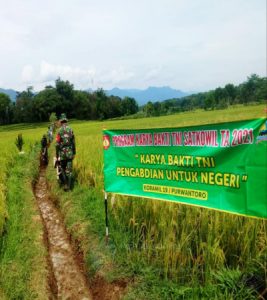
[(66, 272)]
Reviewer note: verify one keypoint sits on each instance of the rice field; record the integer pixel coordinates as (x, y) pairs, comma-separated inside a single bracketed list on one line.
[(182, 243), (8, 152)]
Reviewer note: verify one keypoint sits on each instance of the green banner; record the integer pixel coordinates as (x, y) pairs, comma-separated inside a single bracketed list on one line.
[(219, 166)]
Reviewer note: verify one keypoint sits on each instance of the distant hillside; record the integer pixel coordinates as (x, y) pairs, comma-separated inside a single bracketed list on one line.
[(152, 94), (11, 93)]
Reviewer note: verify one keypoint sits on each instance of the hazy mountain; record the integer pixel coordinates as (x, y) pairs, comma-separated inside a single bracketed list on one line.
[(11, 93), (152, 94)]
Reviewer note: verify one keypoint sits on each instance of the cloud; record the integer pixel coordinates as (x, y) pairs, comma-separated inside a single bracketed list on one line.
[(185, 44), (47, 73), (153, 74), (27, 74), (80, 77), (114, 77)]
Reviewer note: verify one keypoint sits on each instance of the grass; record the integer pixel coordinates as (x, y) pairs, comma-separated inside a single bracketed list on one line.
[(22, 253), (23, 272), (31, 133)]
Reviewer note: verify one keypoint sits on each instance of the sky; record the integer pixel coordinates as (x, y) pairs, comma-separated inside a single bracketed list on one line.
[(191, 45)]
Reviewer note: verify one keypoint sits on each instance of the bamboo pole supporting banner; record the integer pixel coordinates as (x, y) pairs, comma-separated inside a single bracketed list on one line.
[(106, 215)]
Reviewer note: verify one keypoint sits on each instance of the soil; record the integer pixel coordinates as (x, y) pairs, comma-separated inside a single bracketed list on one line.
[(66, 278), (108, 291), (66, 270)]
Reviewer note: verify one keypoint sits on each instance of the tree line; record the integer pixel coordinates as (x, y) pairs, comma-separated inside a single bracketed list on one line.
[(32, 107), (253, 90)]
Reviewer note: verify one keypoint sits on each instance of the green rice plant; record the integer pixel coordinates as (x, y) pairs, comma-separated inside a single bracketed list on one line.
[(185, 244), (22, 253), (32, 134), (19, 142)]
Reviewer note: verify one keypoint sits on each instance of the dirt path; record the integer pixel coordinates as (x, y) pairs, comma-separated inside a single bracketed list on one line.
[(67, 281)]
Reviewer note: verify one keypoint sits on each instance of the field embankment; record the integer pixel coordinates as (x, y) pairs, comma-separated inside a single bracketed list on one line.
[(23, 270), (22, 255), (69, 282)]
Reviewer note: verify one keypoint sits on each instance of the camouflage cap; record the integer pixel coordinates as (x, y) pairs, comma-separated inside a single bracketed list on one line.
[(63, 118)]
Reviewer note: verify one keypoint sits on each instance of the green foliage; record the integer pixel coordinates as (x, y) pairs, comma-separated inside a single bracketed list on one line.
[(129, 106), (8, 156), (24, 109), (149, 109), (83, 105), (53, 117), (231, 284), (5, 109), (19, 142), (52, 101), (23, 273), (248, 91), (230, 93), (52, 120), (83, 108), (254, 90), (45, 103), (65, 91)]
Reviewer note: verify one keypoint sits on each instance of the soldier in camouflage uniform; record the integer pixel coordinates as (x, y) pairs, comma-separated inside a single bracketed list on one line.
[(65, 151)]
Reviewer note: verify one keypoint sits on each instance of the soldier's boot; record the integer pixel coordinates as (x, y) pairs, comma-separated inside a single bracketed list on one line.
[(65, 181), (69, 182)]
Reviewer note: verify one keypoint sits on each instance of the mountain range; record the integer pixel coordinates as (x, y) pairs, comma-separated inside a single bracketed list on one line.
[(152, 94), (11, 93)]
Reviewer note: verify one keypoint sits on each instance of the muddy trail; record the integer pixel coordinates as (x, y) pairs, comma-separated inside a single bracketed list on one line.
[(66, 281)]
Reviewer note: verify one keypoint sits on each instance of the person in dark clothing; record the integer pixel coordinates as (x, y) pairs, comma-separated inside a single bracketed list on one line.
[(44, 151)]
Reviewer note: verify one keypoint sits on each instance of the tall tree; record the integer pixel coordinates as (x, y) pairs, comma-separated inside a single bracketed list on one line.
[(248, 91), (209, 102), (261, 93), (46, 102), (115, 107), (102, 108), (66, 92), (149, 109), (24, 111), (129, 106), (82, 105), (220, 96), (230, 92), (5, 109)]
